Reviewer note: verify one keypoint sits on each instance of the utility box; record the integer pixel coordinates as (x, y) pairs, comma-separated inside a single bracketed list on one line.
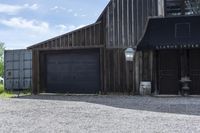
[(145, 88), (17, 69)]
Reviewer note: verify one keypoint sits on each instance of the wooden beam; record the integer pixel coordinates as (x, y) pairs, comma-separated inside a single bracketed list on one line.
[(35, 72), (123, 30)]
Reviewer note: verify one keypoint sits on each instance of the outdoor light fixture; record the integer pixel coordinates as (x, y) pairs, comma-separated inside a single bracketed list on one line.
[(129, 54)]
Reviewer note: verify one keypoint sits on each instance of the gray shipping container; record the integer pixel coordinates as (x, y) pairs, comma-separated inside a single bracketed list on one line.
[(17, 69)]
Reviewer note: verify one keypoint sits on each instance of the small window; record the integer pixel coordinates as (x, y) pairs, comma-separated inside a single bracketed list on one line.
[(182, 30)]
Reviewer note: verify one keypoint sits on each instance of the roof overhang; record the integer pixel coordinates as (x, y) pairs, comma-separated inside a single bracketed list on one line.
[(182, 32)]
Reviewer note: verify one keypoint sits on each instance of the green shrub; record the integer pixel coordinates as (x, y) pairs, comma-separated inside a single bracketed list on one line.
[(1, 88)]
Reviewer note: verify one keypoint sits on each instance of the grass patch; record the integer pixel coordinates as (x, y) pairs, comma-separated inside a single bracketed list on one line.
[(7, 95), (10, 94), (1, 88)]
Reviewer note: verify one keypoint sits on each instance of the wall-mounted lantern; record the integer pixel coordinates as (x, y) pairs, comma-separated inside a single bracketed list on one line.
[(129, 54)]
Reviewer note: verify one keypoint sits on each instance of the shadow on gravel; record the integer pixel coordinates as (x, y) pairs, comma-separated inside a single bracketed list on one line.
[(176, 105)]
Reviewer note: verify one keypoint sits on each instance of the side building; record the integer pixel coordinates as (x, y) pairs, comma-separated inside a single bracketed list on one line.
[(17, 69)]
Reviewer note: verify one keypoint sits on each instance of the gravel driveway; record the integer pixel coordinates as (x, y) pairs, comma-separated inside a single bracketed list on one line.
[(99, 114)]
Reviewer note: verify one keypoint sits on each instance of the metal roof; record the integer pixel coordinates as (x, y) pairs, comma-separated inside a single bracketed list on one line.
[(171, 33)]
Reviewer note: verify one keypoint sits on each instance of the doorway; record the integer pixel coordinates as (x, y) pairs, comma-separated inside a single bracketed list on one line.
[(174, 64)]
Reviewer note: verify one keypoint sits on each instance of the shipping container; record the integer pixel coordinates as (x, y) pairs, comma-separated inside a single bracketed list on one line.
[(18, 69)]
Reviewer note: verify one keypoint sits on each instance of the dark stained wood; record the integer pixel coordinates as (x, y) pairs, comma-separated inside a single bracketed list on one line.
[(102, 91), (35, 72), (171, 66), (42, 73), (126, 21), (125, 77), (68, 48), (155, 73), (194, 71), (168, 72), (87, 36), (147, 66), (117, 75), (73, 71), (121, 25)]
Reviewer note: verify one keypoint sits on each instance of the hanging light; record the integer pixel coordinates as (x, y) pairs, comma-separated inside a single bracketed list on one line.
[(129, 54)]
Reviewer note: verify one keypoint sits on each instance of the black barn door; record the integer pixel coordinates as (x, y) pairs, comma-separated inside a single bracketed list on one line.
[(168, 74), (73, 72), (194, 66)]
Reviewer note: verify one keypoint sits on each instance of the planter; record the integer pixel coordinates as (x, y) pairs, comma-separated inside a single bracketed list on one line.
[(185, 85)]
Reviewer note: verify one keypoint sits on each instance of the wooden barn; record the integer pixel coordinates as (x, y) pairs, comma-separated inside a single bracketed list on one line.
[(164, 35)]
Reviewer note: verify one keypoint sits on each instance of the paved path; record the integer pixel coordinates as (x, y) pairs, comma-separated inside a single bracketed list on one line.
[(99, 114)]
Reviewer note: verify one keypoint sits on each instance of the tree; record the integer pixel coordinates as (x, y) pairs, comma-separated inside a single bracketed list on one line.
[(2, 48), (194, 5)]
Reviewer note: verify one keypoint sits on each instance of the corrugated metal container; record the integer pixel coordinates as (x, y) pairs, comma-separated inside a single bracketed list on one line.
[(18, 69)]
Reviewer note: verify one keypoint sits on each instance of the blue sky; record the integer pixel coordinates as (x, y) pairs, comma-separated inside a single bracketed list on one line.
[(27, 22)]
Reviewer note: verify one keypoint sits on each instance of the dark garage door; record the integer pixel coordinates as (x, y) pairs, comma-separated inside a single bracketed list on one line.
[(73, 72)]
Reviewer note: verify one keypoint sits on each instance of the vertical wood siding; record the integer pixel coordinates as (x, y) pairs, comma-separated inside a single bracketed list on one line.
[(120, 26), (35, 72), (126, 20), (125, 77), (89, 36), (125, 24)]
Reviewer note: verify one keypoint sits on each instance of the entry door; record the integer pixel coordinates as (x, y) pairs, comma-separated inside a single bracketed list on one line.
[(168, 72), (73, 72), (194, 71)]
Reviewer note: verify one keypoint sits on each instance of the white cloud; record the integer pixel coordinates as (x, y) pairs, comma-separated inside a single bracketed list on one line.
[(80, 26), (83, 15), (34, 7), (21, 23), (54, 8), (14, 9), (61, 26), (57, 8), (62, 8), (75, 14), (28, 32), (69, 10), (67, 28)]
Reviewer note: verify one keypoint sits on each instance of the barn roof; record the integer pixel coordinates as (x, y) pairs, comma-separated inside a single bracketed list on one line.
[(38, 45), (171, 33)]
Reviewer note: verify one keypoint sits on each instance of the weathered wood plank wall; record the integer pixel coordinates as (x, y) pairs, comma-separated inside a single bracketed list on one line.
[(126, 21), (120, 26), (89, 36), (125, 77), (125, 24), (35, 72)]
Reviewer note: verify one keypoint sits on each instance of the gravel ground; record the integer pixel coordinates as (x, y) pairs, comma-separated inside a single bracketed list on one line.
[(99, 114)]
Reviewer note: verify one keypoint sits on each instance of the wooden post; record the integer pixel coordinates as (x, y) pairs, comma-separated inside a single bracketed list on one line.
[(35, 72), (133, 80), (104, 71), (127, 75)]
